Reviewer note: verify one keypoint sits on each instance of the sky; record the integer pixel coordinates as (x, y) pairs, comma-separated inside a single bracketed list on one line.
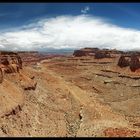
[(44, 26)]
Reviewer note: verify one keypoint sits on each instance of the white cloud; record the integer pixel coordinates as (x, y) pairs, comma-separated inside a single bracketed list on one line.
[(70, 32), (85, 10)]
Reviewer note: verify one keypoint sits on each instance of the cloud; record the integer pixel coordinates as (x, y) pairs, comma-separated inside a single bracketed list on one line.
[(70, 32), (85, 10)]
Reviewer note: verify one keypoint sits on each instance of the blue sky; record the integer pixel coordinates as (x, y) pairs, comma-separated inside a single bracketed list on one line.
[(122, 14), (37, 26)]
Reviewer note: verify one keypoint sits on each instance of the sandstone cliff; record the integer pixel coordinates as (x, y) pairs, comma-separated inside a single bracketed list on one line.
[(13, 82), (97, 53), (131, 60)]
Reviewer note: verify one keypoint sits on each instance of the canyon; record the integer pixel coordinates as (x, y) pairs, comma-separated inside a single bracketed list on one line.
[(90, 93)]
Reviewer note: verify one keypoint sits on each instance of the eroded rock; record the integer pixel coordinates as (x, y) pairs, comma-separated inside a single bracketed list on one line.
[(1, 76), (134, 63), (123, 62), (10, 62), (85, 52), (102, 54), (27, 83)]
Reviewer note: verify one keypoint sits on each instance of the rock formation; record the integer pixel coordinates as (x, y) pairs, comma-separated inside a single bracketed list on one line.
[(85, 52), (32, 57), (123, 62), (134, 63), (10, 62), (102, 54), (79, 53), (4, 61), (27, 83), (19, 61), (1, 75)]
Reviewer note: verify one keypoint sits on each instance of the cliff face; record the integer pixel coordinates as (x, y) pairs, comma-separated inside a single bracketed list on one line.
[(134, 63), (131, 60), (97, 53), (32, 57), (13, 82), (10, 62), (123, 62), (85, 52)]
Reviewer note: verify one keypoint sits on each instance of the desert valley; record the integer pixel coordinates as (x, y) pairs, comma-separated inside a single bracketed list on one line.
[(89, 93)]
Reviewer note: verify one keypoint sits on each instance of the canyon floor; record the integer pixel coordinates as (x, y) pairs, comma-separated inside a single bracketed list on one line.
[(74, 97)]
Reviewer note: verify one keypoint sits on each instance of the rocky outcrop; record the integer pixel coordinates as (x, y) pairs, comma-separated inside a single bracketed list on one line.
[(79, 53), (10, 62), (85, 52), (98, 53), (14, 111), (27, 83), (102, 54), (129, 60), (134, 63), (33, 57), (129, 77), (1, 76), (13, 86), (123, 62), (4, 60)]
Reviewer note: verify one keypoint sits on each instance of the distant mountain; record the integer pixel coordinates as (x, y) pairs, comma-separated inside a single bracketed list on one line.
[(56, 51)]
